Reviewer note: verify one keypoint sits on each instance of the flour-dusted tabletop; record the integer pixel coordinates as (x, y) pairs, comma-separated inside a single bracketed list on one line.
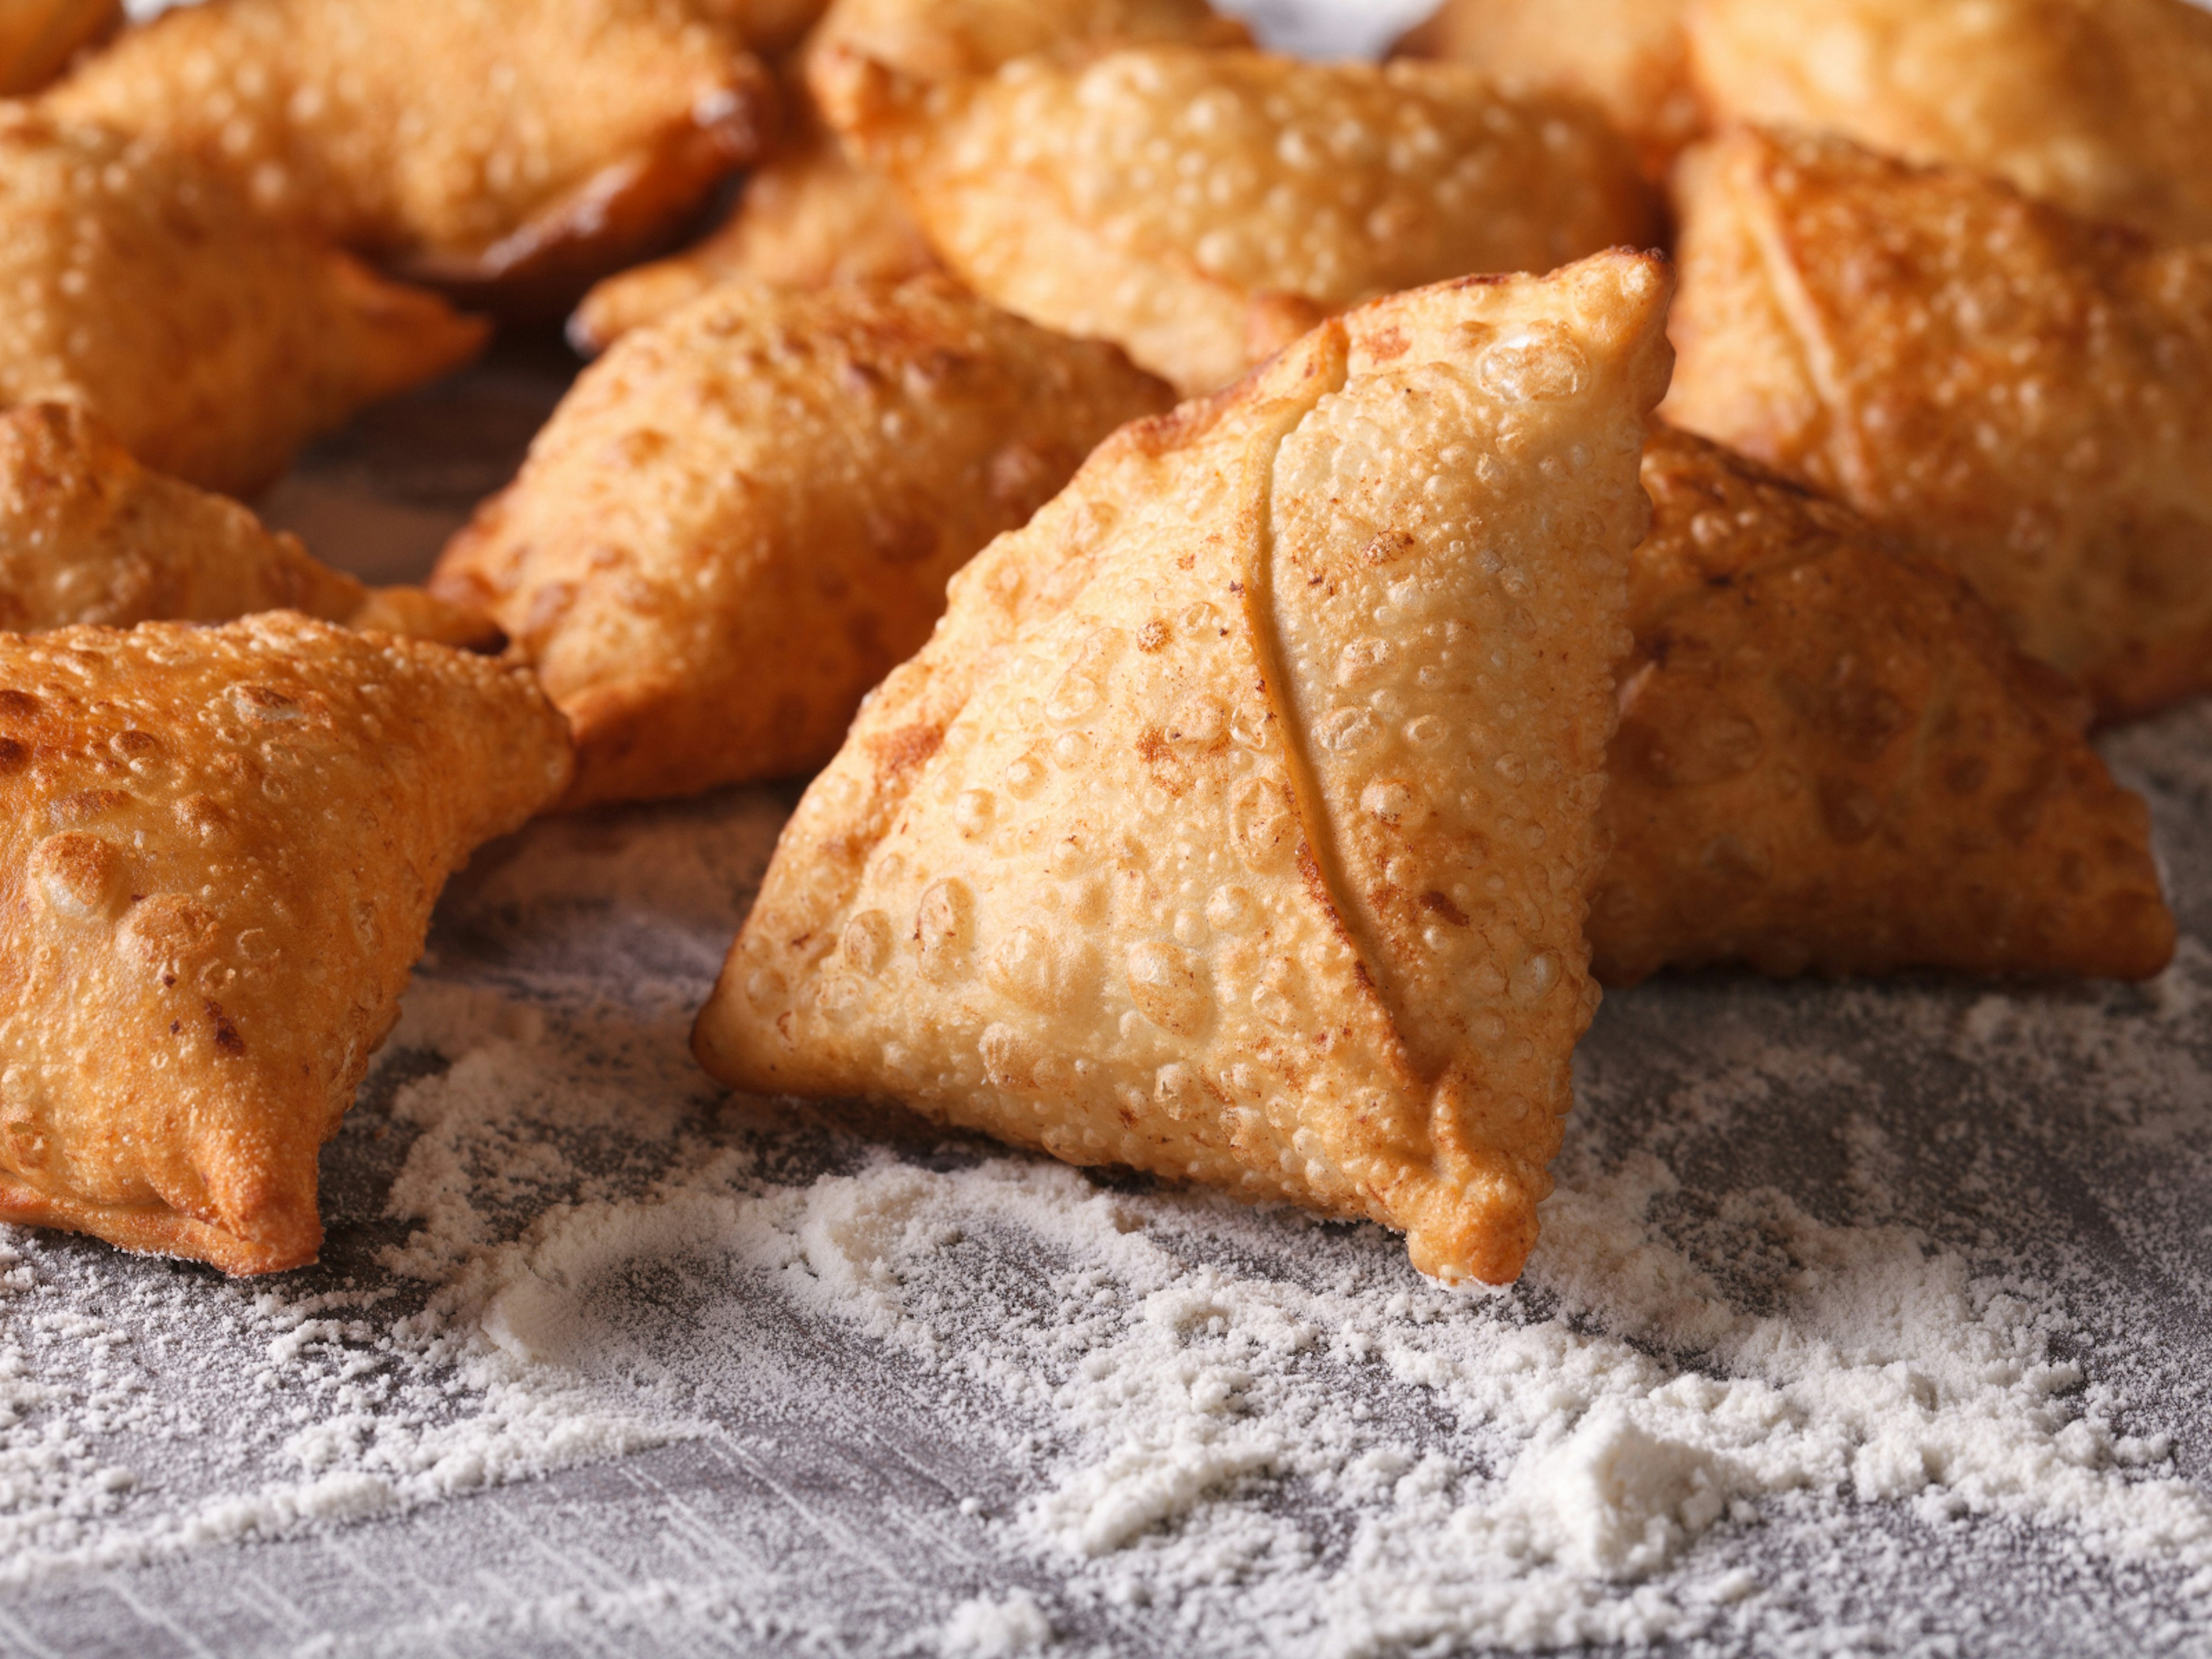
[(1869, 1318)]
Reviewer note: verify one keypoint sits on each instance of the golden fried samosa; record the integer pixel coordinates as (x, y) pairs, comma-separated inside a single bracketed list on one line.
[(219, 847), (511, 150), (1200, 207), (1832, 758), (1631, 58), (87, 535), (213, 343), (1238, 822), (813, 215), (808, 219), (742, 518), (2103, 107), (39, 37), (2025, 395)]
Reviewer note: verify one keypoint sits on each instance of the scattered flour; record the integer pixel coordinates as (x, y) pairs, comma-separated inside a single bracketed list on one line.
[(1842, 1287)]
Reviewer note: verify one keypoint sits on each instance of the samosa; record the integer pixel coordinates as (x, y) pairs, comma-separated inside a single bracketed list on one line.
[(1238, 822), (1202, 208), (219, 847), (2022, 394), (1832, 758), (511, 151), (743, 517), (144, 286), (2101, 106), (813, 214), (39, 37), (87, 535)]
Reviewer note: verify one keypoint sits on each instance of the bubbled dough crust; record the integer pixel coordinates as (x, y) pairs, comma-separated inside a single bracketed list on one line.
[(219, 849), (2023, 395), (796, 477), (213, 343), (1631, 58), (1831, 759), (37, 38), (1155, 856), (2102, 106), (1290, 190), (473, 142)]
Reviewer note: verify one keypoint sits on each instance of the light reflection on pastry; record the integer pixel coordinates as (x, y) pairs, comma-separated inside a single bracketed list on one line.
[(1200, 207), (813, 215), (212, 341), (1831, 759), (1630, 58), (1238, 821), (512, 151), (743, 517), (2103, 107), (39, 37), (2023, 394), (87, 535), (219, 851)]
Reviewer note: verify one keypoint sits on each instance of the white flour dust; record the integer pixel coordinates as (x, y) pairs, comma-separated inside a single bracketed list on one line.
[(1843, 1287)]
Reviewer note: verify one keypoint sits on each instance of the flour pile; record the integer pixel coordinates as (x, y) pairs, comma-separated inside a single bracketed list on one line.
[(1855, 1305)]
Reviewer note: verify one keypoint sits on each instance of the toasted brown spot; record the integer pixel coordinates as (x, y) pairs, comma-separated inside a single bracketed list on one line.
[(18, 705), (1440, 904), (226, 1033), (905, 749)]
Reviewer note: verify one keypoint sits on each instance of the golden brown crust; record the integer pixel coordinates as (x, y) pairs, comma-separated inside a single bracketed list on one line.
[(1630, 58), (1831, 760), (932, 41), (2026, 396), (808, 219), (511, 152), (743, 517), (39, 37), (213, 343), (2102, 106), (219, 849), (1170, 199), (1235, 823)]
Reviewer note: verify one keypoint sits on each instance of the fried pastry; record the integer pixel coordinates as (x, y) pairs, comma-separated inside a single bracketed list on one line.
[(87, 535), (513, 150), (812, 216), (1237, 822), (1200, 207), (145, 287), (39, 37), (1631, 58), (2024, 395), (808, 219), (1830, 758), (219, 849), (2102, 106), (742, 518)]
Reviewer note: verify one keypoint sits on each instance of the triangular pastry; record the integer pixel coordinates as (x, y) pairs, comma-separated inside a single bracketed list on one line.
[(1238, 822), (219, 848), (813, 215), (87, 535), (39, 37), (1630, 58), (1832, 758), (1201, 208), (2022, 394), (794, 477), (2102, 106), (515, 151), (214, 342)]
